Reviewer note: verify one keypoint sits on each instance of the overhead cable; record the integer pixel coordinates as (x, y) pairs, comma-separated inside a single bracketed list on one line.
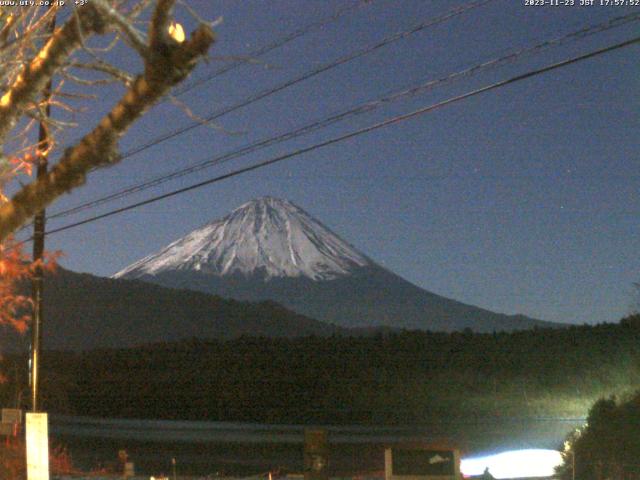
[(343, 137), (358, 110), (273, 46), (309, 74)]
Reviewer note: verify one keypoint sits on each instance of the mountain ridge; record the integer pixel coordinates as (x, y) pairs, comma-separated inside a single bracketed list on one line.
[(85, 312)]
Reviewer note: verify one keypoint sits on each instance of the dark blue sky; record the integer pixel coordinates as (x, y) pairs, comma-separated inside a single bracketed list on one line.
[(520, 200)]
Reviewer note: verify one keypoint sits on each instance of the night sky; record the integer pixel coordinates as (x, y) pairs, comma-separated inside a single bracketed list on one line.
[(520, 200)]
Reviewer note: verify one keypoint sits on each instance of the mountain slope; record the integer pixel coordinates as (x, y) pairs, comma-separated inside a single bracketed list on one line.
[(83, 312), (271, 249)]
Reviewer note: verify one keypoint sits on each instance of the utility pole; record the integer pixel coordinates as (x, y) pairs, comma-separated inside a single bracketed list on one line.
[(39, 220)]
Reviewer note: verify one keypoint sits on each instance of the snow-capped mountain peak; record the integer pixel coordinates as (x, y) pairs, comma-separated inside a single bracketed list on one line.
[(267, 236)]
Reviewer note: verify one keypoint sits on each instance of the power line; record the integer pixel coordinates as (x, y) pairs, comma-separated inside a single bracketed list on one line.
[(268, 48), (340, 138), (360, 109), (310, 74), (275, 45), (342, 60)]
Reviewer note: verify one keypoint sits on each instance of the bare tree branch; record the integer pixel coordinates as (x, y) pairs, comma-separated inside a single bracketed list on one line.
[(104, 67), (132, 36), (34, 76), (170, 62)]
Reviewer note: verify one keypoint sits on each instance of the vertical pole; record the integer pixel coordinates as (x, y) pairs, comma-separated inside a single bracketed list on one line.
[(44, 143)]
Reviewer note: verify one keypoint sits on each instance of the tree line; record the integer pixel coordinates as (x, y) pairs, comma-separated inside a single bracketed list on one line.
[(386, 378)]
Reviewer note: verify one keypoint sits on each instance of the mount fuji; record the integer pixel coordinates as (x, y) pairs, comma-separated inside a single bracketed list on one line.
[(268, 237), (271, 249)]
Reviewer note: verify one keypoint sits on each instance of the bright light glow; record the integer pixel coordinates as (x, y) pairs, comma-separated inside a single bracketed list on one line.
[(177, 32), (6, 98), (514, 464), (37, 446)]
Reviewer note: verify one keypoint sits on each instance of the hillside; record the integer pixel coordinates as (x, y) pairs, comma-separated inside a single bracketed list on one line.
[(85, 312)]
